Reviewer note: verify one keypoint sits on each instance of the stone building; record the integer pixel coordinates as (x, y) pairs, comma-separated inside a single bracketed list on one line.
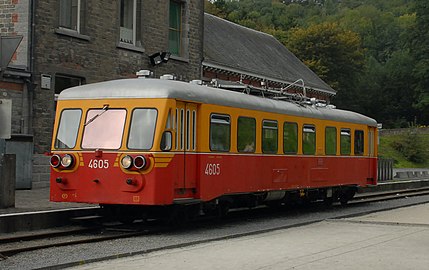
[(72, 42)]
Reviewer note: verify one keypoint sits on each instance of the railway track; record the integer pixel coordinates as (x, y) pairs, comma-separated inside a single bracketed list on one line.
[(388, 195), (12, 245)]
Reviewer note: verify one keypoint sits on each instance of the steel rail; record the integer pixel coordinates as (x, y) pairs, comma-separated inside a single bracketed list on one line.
[(24, 246), (126, 232), (389, 195)]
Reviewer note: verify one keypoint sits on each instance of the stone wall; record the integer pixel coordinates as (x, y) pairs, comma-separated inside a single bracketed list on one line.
[(398, 131), (41, 171), (96, 55), (14, 20), (14, 92)]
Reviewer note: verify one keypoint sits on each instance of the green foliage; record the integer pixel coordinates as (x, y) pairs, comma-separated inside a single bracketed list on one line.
[(374, 53), (333, 53), (420, 50), (411, 146)]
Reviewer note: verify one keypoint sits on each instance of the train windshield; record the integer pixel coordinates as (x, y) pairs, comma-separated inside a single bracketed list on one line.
[(104, 128), (68, 128), (142, 129)]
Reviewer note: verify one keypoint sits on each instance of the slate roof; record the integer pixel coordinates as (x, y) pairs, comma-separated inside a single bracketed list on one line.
[(237, 48)]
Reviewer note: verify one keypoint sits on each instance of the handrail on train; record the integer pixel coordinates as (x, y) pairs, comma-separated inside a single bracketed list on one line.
[(273, 93)]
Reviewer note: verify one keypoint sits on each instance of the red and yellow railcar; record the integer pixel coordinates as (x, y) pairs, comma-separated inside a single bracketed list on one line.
[(147, 144)]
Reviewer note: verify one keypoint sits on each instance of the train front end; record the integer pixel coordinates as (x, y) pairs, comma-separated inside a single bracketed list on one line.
[(107, 152)]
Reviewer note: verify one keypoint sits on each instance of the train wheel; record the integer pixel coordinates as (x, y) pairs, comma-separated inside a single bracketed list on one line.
[(328, 201), (223, 209), (347, 195), (180, 216), (344, 201), (127, 220), (276, 205)]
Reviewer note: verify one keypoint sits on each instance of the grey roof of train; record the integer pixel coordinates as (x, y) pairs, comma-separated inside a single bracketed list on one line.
[(156, 88), (240, 48)]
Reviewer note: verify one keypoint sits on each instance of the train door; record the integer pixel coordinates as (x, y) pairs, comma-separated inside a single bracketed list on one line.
[(371, 153), (371, 142), (186, 144)]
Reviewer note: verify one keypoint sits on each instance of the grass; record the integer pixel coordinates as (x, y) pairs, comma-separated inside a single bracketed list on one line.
[(388, 148)]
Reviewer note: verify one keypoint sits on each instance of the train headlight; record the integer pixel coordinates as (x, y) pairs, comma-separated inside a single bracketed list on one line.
[(55, 161), (67, 161), (139, 162), (126, 162)]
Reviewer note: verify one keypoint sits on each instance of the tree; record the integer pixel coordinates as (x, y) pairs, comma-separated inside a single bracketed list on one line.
[(420, 46), (332, 53), (211, 8), (375, 53)]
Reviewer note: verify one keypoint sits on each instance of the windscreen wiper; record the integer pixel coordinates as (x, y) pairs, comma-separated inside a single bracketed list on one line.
[(105, 108)]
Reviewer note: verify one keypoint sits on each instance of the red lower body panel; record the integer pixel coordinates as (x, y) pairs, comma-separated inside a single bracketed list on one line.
[(206, 177)]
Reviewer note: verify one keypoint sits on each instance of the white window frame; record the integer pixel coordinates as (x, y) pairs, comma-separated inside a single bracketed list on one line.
[(65, 76), (134, 29), (78, 19)]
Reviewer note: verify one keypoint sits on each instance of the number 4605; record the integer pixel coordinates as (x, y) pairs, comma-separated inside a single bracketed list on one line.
[(98, 164), (212, 169)]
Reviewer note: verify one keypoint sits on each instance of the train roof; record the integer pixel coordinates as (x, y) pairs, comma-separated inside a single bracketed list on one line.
[(157, 88)]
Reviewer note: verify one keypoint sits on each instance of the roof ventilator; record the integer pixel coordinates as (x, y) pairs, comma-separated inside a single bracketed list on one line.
[(167, 77), (143, 73)]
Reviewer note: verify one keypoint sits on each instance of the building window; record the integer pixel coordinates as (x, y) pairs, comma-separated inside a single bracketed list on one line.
[(331, 140), (72, 15), (175, 28), (63, 82), (269, 136), (130, 22), (290, 138)]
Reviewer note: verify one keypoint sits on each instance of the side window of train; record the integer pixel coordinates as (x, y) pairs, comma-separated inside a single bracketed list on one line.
[(345, 141), (309, 140), (167, 136), (68, 129), (246, 134), (290, 138), (220, 132), (269, 136), (331, 141), (359, 142)]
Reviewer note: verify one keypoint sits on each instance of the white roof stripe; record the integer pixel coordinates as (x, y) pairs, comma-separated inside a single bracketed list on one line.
[(156, 88)]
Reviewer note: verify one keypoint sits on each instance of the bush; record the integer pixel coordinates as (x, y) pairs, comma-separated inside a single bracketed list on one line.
[(411, 146)]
